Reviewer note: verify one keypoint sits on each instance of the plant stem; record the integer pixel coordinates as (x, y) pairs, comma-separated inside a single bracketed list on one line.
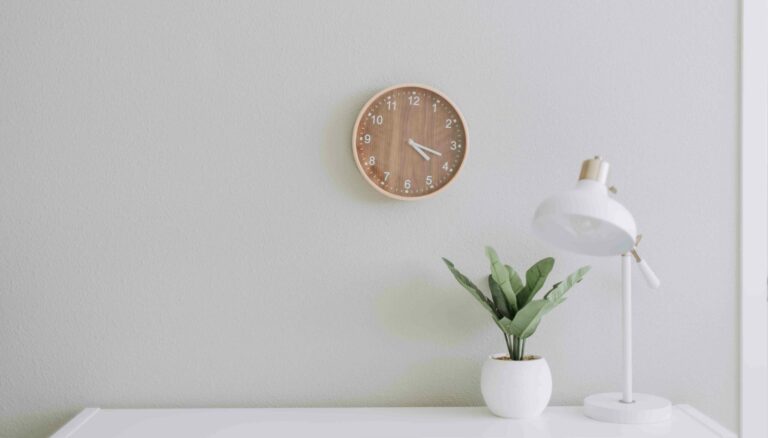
[(522, 349), (509, 345), (515, 349)]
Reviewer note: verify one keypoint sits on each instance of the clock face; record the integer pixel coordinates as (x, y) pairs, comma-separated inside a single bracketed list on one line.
[(409, 141)]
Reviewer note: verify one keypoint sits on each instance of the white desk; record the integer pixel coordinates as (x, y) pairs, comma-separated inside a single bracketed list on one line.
[(556, 422)]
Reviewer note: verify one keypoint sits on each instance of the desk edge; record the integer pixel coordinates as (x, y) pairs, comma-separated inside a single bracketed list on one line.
[(73, 425), (705, 421)]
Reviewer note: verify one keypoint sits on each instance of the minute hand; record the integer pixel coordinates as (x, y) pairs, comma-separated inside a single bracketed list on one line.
[(431, 151), (419, 151)]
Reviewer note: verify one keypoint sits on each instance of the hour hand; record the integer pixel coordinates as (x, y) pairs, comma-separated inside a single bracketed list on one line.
[(417, 148), (423, 148)]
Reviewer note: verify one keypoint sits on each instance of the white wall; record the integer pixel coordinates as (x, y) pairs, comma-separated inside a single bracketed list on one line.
[(182, 224)]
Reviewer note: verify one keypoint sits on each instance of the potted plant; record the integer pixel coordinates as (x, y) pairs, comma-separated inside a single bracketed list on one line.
[(513, 384)]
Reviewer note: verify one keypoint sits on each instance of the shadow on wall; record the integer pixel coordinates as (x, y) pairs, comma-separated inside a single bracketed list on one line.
[(336, 152), (447, 381), (410, 310), (41, 423)]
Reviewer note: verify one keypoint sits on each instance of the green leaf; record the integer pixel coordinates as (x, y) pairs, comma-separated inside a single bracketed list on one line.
[(498, 324), (556, 294), (553, 304), (537, 275), (500, 275), (498, 298), (534, 280), (498, 271), (514, 280), (527, 319), (472, 289), (505, 324)]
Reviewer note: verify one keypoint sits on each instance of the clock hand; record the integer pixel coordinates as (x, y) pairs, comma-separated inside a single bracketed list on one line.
[(415, 147), (432, 151)]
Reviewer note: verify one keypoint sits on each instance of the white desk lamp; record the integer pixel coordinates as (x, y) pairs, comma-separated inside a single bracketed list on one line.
[(586, 220)]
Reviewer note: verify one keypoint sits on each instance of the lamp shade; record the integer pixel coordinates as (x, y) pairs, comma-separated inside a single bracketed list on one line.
[(586, 220)]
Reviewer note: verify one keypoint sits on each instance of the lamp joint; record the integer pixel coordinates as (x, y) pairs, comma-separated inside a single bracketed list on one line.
[(595, 169)]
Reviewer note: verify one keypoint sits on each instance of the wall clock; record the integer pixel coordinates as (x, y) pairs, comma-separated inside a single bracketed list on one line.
[(409, 141)]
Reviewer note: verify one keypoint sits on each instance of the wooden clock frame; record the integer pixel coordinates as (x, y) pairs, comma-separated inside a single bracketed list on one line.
[(378, 96)]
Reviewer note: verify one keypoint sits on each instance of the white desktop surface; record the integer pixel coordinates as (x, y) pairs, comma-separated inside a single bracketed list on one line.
[(556, 422)]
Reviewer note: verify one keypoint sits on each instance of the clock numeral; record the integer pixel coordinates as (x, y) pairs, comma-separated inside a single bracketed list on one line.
[(407, 184), (434, 107), (454, 145), (414, 100), (445, 166), (377, 119), (371, 160), (429, 180), (391, 105), (367, 139), (386, 176), (448, 123)]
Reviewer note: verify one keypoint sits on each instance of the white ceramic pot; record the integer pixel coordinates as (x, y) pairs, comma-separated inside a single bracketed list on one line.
[(516, 388)]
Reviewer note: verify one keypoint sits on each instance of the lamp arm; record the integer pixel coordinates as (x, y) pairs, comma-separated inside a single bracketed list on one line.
[(650, 276)]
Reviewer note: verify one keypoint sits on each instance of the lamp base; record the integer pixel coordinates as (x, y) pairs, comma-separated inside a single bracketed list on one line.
[(609, 408)]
